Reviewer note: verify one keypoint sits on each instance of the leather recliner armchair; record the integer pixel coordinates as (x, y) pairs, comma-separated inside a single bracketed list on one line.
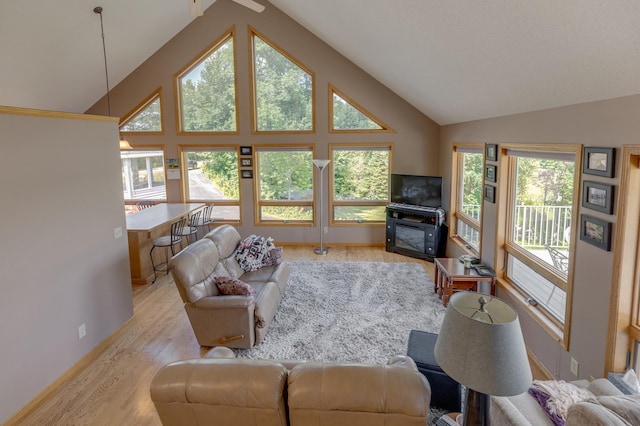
[(233, 321)]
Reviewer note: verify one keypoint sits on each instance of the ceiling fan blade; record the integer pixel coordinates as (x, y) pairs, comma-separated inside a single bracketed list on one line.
[(257, 7), (195, 7)]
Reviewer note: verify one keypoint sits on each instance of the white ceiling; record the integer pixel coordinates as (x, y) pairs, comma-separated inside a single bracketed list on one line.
[(454, 60)]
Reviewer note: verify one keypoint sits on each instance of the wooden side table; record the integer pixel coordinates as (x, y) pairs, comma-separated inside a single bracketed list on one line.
[(451, 276)]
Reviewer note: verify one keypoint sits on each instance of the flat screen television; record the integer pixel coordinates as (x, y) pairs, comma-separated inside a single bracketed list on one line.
[(423, 191)]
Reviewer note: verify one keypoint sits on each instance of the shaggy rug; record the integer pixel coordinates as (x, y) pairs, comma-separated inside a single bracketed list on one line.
[(350, 312)]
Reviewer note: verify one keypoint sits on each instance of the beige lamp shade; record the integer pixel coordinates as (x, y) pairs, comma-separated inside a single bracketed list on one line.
[(480, 345)]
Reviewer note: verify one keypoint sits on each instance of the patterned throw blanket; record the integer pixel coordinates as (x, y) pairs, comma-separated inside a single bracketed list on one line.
[(255, 252)]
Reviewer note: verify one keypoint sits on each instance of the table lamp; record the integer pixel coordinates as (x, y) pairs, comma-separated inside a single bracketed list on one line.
[(480, 345)]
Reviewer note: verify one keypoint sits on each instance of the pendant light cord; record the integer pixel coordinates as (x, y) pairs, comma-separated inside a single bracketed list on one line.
[(98, 10)]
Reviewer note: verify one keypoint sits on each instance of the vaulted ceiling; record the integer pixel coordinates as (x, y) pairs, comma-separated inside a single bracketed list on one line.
[(454, 60)]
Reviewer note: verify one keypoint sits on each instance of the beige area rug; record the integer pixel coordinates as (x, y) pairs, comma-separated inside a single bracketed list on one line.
[(350, 312)]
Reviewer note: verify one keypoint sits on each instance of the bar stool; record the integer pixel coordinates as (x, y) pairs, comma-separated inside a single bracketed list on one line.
[(168, 242), (192, 228), (141, 205), (206, 219)]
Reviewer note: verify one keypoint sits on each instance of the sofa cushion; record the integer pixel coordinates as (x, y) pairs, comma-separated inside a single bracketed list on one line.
[(232, 287), (193, 271), (627, 406)]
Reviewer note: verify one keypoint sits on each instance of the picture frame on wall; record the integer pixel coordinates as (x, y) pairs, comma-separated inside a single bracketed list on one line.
[(491, 152), (595, 231), (245, 162), (490, 172), (247, 174), (490, 193), (246, 150), (598, 161), (597, 196)]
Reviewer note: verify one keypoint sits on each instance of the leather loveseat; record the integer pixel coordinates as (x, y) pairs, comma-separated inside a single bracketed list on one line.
[(607, 407), (227, 391), (237, 321)]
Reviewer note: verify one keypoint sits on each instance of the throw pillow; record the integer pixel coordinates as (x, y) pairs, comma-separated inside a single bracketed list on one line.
[(232, 287), (273, 257), (556, 396)]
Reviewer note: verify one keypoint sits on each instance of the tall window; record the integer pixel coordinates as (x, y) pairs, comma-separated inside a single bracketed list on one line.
[(212, 177), (466, 194), (541, 221), (207, 90), (143, 176), (282, 90), (284, 184), (359, 186)]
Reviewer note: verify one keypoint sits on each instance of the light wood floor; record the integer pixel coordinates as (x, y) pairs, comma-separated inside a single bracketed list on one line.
[(113, 387)]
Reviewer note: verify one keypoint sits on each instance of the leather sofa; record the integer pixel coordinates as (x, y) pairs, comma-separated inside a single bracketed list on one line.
[(609, 407), (221, 390), (237, 321)]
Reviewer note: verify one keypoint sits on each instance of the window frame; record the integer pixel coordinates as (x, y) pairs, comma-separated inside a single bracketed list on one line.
[(185, 149), (157, 94), (334, 91), (456, 211), (505, 248), (378, 146), (258, 204), (252, 32), (134, 148), (196, 61)]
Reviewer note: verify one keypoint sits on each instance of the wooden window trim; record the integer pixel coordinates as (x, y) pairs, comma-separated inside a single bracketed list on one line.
[(384, 127), (199, 58), (156, 94)]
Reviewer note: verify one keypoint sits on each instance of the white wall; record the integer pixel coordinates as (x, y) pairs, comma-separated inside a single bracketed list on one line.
[(61, 265), (610, 123)]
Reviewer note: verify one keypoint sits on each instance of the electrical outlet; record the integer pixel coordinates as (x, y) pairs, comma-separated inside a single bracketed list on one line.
[(325, 229), (82, 331), (574, 366), (117, 232)]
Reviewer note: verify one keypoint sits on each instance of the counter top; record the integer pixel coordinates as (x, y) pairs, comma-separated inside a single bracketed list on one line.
[(148, 219)]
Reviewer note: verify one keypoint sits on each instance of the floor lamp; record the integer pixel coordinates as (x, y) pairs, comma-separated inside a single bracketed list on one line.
[(321, 165)]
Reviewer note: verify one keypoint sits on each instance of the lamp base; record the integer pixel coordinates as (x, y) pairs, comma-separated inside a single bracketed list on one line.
[(477, 409), (321, 251)]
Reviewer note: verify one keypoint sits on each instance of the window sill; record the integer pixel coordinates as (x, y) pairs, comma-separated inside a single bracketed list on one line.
[(462, 245), (520, 299)]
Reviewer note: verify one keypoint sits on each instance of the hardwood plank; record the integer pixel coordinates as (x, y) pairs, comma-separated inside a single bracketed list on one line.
[(113, 386)]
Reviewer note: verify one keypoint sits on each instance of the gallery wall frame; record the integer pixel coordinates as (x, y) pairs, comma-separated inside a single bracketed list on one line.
[(491, 152), (490, 172), (246, 150), (595, 231), (598, 161), (597, 196), (490, 193), (246, 174), (245, 162)]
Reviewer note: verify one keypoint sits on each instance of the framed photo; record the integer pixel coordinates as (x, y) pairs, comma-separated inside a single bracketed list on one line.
[(490, 193), (491, 152), (598, 161), (597, 196), (247, 174), (595, 231), (245, 150), (245, 162), (490, 172)]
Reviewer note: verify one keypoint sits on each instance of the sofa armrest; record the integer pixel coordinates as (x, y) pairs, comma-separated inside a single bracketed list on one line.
[(219, 352), (225, 302)]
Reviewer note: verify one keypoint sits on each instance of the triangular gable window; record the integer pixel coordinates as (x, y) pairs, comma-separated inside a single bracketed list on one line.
[(207, 90), (146, 117), (348, 116), (282, 90)]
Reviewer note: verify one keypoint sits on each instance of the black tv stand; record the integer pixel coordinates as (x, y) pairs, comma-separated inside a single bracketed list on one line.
[(415, 231)]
